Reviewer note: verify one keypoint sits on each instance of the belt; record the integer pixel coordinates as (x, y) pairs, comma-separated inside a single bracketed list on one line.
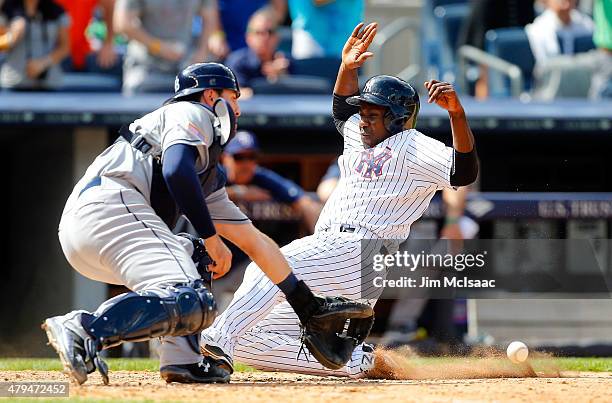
[(96, 181), (136, 140), (340, 228)]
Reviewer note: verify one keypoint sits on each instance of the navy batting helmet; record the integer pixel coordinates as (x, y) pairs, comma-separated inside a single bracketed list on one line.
[(394, 93), (201, 76)]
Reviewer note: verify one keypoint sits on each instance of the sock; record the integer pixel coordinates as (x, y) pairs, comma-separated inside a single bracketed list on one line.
[(288, 285)]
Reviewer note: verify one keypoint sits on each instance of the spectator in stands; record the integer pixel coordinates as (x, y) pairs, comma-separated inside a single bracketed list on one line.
[(249, 182), (601, 83), (492, 14), (329, 181), (560, 21), (81, 55), (36, 41), (235, 15), (320, 26), (160, 40), (261, 58)]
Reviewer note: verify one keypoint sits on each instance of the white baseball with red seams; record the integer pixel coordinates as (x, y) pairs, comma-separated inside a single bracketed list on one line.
[(517, 352)]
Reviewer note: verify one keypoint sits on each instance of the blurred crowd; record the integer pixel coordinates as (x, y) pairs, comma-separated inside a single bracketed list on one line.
[(293, 46), (144, 43)]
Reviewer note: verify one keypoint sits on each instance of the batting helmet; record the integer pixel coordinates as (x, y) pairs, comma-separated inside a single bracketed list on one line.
[(201, 76), (394, 93)]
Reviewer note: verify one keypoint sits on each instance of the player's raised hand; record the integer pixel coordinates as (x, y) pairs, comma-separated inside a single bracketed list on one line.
[(444, 95), (355, 51), (220, 255)]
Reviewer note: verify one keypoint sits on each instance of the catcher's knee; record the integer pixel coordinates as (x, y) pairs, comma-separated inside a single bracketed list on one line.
[(182, 310)]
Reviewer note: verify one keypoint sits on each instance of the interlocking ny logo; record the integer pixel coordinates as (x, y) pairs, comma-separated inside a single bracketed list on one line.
[(373, 164)]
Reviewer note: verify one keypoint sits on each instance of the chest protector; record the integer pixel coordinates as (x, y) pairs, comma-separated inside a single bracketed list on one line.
[(212, 177)]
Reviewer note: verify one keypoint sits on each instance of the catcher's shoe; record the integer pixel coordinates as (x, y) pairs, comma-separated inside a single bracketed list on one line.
[(78, 355), (208, 370)]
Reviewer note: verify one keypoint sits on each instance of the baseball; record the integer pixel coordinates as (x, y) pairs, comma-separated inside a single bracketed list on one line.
[(517, 352)]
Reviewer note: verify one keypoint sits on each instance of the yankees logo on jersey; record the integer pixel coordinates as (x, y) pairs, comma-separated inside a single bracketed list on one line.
[(371, 163), (413, 166)]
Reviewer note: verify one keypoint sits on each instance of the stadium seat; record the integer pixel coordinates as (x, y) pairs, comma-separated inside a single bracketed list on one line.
[(323, 67), (582, 43), (511, 45), (448, 21), (441, 22)]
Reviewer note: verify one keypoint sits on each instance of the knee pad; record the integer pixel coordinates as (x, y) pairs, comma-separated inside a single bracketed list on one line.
[(145, 315)]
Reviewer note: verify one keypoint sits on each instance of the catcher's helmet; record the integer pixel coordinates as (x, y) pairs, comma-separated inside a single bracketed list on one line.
[(394, 93), (201, 76)]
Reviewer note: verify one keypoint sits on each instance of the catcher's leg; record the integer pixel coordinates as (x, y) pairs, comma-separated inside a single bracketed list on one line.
[(79, 336), (112, 234), (274, 345)]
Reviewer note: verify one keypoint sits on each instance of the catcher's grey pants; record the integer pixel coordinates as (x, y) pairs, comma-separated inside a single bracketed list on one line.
[(109, 233), (260, 329)]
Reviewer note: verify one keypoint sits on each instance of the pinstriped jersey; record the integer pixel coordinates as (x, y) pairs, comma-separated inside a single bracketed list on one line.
[(384, 189)]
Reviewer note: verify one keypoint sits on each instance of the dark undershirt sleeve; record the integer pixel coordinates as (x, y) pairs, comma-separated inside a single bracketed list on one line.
[(341, 111), (465, 169), (179, 172)]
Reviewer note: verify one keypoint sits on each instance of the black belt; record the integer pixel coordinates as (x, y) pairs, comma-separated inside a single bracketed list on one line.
[(96, 181), (137, 141), (343, 228)]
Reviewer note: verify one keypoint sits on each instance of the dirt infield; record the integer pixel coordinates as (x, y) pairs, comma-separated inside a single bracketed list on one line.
[(281, 387)]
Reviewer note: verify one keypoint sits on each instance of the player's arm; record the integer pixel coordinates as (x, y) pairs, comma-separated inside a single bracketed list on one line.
[(465, 169), (354, 54), (179, 171)]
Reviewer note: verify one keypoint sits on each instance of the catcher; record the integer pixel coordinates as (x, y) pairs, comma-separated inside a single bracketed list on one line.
[(389, 173), (115, 229)]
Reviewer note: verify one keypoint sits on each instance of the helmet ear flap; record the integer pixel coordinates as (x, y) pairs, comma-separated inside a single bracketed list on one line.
[(393, 123)]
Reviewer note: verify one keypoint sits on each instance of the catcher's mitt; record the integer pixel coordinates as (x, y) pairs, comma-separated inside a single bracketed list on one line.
[(324, 333)]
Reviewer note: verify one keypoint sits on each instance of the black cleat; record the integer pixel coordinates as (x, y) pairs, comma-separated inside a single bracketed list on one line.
[(208, 370), (79, 356)]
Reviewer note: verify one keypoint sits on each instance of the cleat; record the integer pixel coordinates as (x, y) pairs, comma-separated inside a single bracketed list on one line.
[(79, 356), (217, 354), (215, 367), (70, 348), (208, 370)]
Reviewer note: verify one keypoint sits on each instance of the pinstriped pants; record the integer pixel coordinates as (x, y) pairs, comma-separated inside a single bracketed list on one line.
[(259, 327)]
